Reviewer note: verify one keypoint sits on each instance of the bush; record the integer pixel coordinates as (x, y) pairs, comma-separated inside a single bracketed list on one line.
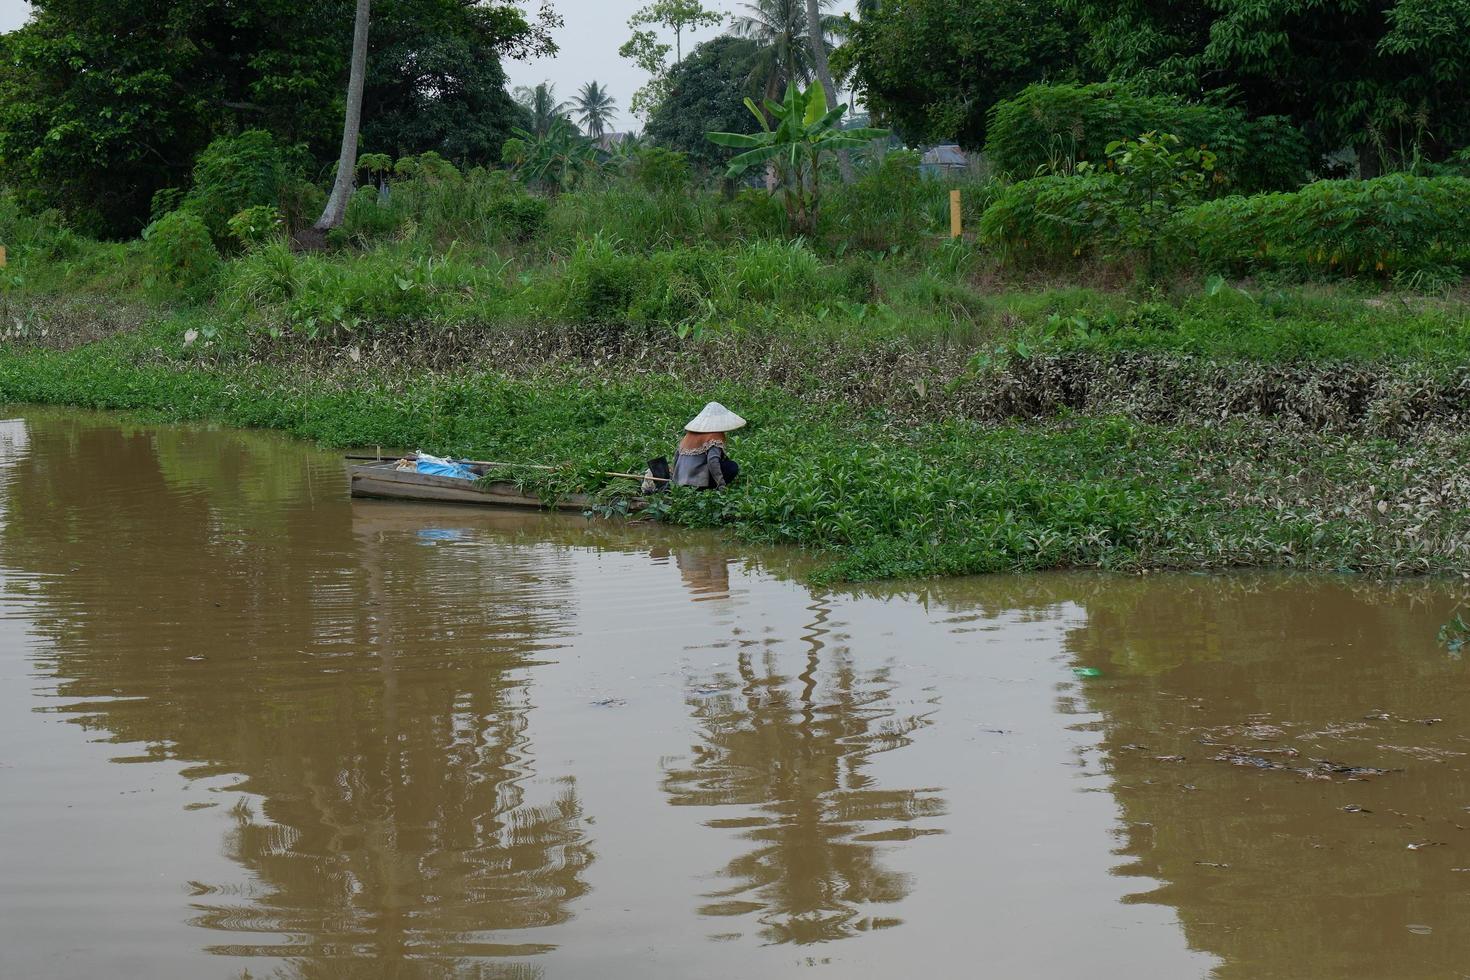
[(888, 204), (180, 250), (681, 288), (1125, 208), (234, 173), (1386, 225), (659, 170), (638, 219), (1050, 128), (26, 235), (257, 225)]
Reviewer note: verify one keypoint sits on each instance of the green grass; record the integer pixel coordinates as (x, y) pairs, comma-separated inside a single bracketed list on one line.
[(920, 409), (882, 500)]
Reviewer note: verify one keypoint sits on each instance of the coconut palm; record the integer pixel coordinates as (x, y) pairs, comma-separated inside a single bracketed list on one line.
[(541, 103), (594, 109), (784, 52)]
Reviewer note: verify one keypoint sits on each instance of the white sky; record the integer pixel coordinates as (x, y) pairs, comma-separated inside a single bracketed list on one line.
[(589, 43)]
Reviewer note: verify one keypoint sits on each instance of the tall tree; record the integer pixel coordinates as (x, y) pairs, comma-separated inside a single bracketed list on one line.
[(817, 38), (541, 103), (650, 53), (706, 91), (932, 69), (781, 30), (435, 79), (346, 180), (678, 16), (595, 109), (1385, 76)]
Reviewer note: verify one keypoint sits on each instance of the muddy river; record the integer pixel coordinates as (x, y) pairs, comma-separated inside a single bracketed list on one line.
[(251, 728)]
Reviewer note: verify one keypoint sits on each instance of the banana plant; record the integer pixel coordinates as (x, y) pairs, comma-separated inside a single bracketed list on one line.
[(555, 161), (805, 131)]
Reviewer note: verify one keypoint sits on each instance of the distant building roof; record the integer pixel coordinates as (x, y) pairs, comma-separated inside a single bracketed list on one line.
[(945, 155)]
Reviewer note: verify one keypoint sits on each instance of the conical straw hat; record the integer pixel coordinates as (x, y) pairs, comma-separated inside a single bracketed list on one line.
[(715, 418)]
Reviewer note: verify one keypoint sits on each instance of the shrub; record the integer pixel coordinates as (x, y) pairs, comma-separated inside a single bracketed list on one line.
[(659, 170), (1383, 225), (638, 219), (257, 225), (368, 219), (1050, 128), (601, 282), (44, 235), (180, 250), (1127, 206), (238, 172), (518, 217), (888, 204)]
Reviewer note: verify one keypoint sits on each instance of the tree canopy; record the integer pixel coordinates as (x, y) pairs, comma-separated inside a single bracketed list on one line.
[(104, 102), (706, 92), (932, 69), (1386, 76)]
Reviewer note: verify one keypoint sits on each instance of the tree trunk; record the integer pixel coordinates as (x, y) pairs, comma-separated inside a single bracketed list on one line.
[(824, 75), (347, 162)]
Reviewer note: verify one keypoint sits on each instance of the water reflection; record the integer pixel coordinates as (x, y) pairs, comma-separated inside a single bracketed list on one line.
[(364, 724), (436, 743), (792, 753), (1235, 708)]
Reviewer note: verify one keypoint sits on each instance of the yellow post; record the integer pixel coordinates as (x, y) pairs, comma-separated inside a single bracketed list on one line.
[(956, 223), (2, 256)]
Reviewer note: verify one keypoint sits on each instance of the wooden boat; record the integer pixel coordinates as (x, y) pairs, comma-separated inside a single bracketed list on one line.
[(383, 480)]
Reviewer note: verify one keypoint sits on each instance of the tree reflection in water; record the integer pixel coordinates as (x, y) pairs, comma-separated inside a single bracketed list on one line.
[(365, 687), (794, 751)]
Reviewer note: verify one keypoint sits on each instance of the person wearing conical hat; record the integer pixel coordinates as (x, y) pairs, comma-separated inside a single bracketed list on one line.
[(703, 460)]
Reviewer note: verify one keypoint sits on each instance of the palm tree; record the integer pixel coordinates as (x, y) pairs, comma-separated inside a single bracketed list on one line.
[(783, 37), (595, 109), (541, 103)]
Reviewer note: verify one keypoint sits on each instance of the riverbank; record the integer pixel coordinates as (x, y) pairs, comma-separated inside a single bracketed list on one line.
[(1132, 447)]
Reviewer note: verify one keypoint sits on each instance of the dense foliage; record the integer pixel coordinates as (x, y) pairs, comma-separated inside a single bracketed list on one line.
[(706, 91), (104, 104), (931, 69), (1053, 127), (1386, 77), (1382, 226)]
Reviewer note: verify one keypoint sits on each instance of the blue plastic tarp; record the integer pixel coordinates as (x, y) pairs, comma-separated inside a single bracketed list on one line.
[(438, 466)]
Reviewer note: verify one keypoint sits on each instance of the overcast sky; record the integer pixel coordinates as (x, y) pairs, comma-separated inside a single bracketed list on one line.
[(589, 43)]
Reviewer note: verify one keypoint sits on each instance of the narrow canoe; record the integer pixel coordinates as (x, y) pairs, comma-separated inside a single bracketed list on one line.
[(384, 480)]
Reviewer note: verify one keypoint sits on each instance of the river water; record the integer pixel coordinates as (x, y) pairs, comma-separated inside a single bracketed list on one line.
[(252, 728)]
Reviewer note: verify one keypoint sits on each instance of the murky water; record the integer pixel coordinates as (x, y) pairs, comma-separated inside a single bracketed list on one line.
[(251, 728)]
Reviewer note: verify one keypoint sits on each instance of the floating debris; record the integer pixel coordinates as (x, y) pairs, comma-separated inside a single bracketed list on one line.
[(610, 702)]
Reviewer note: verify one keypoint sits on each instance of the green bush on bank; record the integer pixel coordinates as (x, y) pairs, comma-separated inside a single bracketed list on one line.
[(1381, 226), (181, 251), (234, 173), (1051, 128)]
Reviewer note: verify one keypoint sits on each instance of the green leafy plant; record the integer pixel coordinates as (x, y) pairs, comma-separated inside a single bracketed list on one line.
[(180, 250), (805, 132), (1393, 224), (1050, 128), (556, 161), (1120, 209), (257, 225)]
